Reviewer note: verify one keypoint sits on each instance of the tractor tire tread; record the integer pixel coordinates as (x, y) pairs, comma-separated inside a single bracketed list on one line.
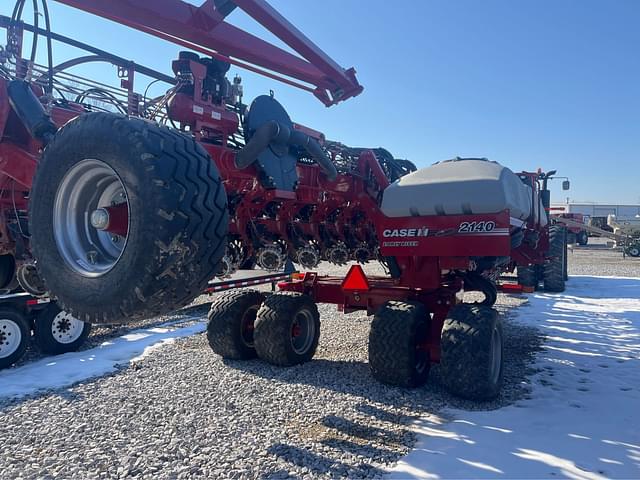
[(187, 211), (223, 328), (391, 343), (553, 271), (272, 329), (466, 352)]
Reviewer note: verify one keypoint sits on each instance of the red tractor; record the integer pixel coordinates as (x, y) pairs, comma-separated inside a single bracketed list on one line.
[(123, 206), (575, 233)]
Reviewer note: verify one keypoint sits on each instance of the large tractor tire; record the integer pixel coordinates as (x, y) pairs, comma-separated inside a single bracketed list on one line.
[(397, 344), (471, 362), (528, 276), (15, 336), (582, 238), (231, 324), (57, 332), (128, 219), (287, 329), (553, 272)]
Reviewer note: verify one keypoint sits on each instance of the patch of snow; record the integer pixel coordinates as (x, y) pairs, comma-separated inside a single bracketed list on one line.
[(69, 368), (582, 420)]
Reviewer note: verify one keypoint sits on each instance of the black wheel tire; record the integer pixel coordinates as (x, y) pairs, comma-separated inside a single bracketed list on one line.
[(231, 324), (276, 336), (633, 250), (471, 362), (582, 238), (571, 238), (178, 219), (12, 324), (528, 276), (7, 272), (397, 353), (553, 275), (565, 267), (57, 332)]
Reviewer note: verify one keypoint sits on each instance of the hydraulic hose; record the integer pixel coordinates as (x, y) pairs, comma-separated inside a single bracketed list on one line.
[(314, 149), (273, 132), (260, 140)]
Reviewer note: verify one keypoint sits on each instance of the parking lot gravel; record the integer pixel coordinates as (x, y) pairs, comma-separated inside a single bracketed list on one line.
[(183, 412), (597, 259)]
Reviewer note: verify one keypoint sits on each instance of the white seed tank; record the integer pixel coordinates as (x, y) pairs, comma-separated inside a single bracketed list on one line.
[(459, 187)]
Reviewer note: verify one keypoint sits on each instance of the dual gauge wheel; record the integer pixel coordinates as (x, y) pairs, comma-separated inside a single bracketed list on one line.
[(54, 332), (284, 328)]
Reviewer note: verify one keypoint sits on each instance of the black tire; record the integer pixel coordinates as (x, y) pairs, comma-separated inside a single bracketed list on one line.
[(397, 353), (279, 337), (15, 335), (7, 272), (553, 276), (571, 238), (231, 324), (528, 276), (633, 250), (565, 267), (582, 238), (177, 221), (57, 332), (474, 282), (471, 362)]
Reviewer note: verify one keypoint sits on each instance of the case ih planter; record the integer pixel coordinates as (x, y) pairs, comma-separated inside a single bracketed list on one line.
[(128, 215)]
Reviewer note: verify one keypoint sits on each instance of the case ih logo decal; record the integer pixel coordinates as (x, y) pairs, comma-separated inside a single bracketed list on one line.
[(406, 232), (408, 237)]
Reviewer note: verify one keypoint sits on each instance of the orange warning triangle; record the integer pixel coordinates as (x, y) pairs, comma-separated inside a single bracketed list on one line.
[(355, 280)]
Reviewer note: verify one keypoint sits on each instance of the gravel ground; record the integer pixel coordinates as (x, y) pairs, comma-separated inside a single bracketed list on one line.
[(182, 412), (597, 259)]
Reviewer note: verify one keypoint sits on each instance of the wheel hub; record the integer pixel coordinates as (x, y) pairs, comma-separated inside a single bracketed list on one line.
[(10, 338), (302, 332), (65, 328), (247, 326), (91, 218), (100, 219)]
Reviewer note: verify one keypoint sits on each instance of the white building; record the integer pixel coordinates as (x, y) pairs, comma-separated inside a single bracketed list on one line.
[(596, 209)]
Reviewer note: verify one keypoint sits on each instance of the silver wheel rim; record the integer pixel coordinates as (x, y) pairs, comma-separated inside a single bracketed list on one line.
[(10, 337), (496, 356), (303, 332), (66, 329), (89, 185), (634, 252)]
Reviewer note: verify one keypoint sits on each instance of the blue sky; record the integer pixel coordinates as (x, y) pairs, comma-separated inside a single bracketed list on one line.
[(548, 83)]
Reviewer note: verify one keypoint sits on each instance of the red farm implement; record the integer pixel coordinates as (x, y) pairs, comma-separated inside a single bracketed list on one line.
[(124, 205)]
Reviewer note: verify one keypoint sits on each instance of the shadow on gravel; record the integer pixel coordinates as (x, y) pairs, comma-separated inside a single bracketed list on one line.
[(377, 433), (317, 464)]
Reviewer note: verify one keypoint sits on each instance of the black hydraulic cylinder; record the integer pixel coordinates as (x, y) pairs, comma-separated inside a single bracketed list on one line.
[(30, 111)]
